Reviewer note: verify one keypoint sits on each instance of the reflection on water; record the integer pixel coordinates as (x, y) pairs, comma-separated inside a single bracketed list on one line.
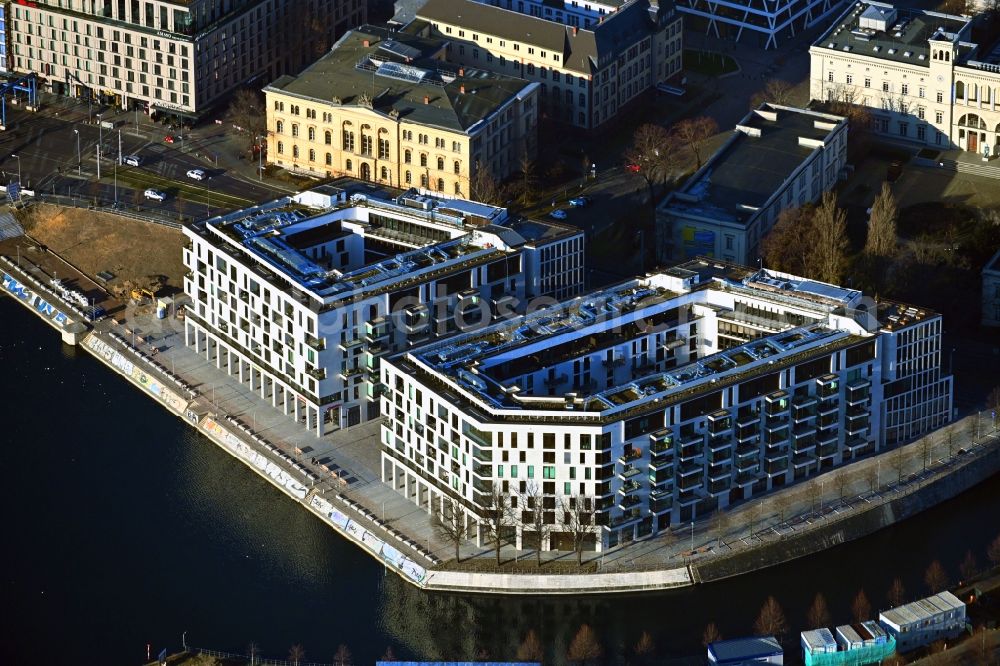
[(129, 528)]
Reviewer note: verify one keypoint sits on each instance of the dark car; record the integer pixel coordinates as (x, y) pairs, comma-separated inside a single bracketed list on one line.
[(894, 171)]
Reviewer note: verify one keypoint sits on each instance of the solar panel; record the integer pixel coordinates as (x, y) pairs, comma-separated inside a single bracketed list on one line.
[(394, 70)]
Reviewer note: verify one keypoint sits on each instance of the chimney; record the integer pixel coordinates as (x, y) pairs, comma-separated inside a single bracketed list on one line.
[(461, 71), (575, 30), (461, 89), (366, 43), (427, 100)]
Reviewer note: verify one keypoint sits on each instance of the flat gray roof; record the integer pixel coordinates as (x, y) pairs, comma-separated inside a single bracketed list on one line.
[(905, 38), (740, 178)]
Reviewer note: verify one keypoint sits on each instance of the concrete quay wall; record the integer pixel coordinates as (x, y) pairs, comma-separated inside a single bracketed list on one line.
[(391, 549), (856, 524)]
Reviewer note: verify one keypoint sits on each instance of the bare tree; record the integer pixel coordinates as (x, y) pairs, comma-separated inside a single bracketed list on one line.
[(841, 480), (950, 439), (253, 651), (819, 614), (692, 134), (645, 647), (533, 516), (577, 518), (993, 551), (781, 503), (654, 151), (584, 647), (343, 656), (897, 459), (771, 621), (530, 648), (861, 608), (497, 517), (711, 634), (925, 450), (936, 577), (451, 524), (296, 654), (969, 567), (483, 186), (830, 240), (871, 473), (788, 246), (775, 91), (528, 178), (389, 654), (247, 114), (881, 240), (897, 593)]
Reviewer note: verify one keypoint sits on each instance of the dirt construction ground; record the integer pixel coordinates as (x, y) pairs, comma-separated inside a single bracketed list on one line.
[(130, 249)]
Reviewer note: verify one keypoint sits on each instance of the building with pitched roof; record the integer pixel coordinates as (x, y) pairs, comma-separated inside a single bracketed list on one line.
[(658, 401), (920, 74), (589, 64), (386, 107)]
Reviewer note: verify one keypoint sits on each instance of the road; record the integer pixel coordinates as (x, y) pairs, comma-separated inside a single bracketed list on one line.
[(54, 151)]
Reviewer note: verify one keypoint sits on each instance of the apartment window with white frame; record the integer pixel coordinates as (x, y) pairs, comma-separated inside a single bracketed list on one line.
[(850, 79), (906, 89)]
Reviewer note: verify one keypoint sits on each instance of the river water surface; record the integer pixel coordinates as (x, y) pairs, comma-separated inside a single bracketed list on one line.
[(123, 528)]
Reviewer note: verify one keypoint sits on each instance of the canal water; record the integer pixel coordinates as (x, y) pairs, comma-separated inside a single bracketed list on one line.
[(124, 528)]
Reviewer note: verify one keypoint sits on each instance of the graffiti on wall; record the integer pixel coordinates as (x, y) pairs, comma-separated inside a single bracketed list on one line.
[(43, 307)]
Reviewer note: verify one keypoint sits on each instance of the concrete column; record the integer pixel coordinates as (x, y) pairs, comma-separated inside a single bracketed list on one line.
[(274, 394), (208, 352), (219, 349), (187, 335), (319, 421), (240, 361), (263, 386), (295, 409)]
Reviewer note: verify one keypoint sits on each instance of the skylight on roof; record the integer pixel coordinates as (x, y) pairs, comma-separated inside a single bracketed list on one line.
[(395, 70)]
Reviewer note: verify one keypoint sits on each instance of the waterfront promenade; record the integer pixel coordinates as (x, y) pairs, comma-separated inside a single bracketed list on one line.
[(338, 474)]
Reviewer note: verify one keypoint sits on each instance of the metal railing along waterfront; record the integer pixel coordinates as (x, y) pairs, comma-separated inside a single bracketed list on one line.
[(256, 660)]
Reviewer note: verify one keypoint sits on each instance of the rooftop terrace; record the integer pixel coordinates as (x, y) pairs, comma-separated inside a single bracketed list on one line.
[(277, 234), (481, 362)]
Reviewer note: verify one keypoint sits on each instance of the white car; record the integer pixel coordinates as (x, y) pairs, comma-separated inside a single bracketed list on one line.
[(156, 195), (132, 160), (196, 174)]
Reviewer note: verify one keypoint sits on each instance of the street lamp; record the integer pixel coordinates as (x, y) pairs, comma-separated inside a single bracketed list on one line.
[(260, 159), (79, 159), (18, 168)]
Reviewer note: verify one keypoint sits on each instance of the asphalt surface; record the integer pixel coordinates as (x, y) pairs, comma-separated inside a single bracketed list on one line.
[(54, 152)]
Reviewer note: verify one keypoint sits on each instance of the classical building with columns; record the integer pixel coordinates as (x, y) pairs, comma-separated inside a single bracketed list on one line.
[(301, 297), (658, 401), (919, 72)]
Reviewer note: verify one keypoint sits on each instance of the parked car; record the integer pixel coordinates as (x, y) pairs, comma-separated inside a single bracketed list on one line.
[(580, 201), (558, 214), (196, 174), (168, 138), (632, 168), (132, 160), (155, 195)]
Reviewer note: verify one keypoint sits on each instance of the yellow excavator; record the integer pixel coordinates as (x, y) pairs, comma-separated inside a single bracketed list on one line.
[(140, 294)]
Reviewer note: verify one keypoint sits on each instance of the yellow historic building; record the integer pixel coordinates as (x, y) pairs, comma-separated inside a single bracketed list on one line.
[(386, 107)]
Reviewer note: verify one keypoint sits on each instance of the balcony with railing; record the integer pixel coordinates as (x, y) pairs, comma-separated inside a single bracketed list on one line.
[(347, 345), (661, 480), (481, 437), (625, 518), (774, 467), (687, 469), (827, 385), (316, 373), (628, 502), (629, 455), (664, 465), (747, 435), (690, 483), (855, 444), (318, 344), (858, 391), (719, 445), (722, 470), (719, 486), (747, 450), (479, 469), (660, 503), (661, 443), (748, 420), (692, 449), (719, 423), (800, 460), (377, 329), (776, 403), (629, 487), (628, 471), (746, 476)]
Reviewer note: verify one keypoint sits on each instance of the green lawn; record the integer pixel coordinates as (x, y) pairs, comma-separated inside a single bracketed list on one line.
[(708, 63)]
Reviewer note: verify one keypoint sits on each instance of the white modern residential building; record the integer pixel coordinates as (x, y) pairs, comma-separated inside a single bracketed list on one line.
[(768, 21), (991, 291), (778, 157), (589, 65), (301, 297), (924, 621), (176, 57), (919, 72), (657, 401)]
